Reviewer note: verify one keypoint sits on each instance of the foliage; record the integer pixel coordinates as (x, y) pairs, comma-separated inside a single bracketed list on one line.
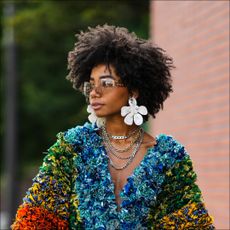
[(44, 33)]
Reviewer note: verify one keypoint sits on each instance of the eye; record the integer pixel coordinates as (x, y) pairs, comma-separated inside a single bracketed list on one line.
[(107, 83)]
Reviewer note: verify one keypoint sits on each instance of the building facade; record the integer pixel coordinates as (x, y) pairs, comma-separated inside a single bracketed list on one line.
[(196, 35)]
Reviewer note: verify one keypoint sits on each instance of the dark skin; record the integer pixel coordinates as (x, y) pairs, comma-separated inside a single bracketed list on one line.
[(110, 102)]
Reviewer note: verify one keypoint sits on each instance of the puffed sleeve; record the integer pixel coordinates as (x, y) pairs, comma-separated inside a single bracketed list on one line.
[(51, 203), (180, 204)]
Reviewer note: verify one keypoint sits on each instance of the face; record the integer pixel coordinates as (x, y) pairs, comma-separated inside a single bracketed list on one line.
[(106, 100)]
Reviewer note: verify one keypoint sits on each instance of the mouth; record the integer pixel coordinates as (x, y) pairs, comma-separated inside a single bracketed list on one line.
[(96, 106)]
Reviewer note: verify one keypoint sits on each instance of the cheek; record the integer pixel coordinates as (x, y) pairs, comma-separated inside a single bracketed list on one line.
[(114, 102), (120, 98)]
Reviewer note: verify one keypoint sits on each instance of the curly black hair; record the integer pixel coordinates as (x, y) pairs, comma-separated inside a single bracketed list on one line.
[(141, 65)]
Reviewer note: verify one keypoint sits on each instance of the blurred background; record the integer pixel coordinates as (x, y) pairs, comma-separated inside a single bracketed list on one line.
[(37, 102)]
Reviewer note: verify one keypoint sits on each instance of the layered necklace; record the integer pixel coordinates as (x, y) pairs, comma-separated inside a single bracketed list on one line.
[(136, 137)]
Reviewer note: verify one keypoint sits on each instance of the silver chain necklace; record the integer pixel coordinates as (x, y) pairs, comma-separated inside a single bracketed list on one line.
[(137, 147), (110, 148), (106, 137), (114, 151), (124, 137)]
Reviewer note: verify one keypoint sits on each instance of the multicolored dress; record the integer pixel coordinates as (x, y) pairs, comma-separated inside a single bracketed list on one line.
[(74, 189)]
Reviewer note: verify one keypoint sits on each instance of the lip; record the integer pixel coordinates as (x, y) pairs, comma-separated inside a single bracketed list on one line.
[(96, 105)]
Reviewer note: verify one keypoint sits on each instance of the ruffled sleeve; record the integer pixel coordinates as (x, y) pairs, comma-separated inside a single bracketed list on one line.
[(51, 202), (180, 204)]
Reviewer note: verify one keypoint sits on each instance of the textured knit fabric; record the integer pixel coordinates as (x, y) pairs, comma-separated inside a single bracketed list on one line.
[(74, 189)]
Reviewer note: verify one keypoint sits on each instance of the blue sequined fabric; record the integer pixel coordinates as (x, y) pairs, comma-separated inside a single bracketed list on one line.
[(74, 189), (95, 189)]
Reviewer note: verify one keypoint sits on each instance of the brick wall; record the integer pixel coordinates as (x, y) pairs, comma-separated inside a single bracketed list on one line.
[(196, 35)]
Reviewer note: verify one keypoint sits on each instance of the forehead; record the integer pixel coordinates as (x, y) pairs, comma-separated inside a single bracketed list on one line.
[(103, 70)]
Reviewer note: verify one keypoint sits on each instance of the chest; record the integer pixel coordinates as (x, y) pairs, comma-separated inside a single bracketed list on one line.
[(101, 190), (119, 177)]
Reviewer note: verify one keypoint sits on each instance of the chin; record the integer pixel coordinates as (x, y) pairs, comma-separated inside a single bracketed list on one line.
[(101, 114)]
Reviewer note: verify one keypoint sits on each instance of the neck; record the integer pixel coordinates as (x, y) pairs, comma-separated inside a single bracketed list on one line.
[(116, 126)]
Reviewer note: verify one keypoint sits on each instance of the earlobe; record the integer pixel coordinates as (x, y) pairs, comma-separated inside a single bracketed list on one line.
[(135, 94)]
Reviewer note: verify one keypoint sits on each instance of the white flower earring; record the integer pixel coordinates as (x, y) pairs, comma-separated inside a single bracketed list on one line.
[(93, 118), (133, 112)]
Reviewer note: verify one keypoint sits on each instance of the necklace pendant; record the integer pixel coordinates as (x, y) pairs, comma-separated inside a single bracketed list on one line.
[(119, 137)]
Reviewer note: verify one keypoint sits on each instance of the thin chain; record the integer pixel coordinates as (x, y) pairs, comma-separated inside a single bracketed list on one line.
[(114, 151), (111, 150), (137, 147), (126, 148), (115, 154), (106, 137), (124, 137)]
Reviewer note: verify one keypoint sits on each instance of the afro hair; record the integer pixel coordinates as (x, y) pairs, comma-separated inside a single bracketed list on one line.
[(141, 65)]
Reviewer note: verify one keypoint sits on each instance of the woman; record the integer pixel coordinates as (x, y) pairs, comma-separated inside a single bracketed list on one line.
[(110, 174)]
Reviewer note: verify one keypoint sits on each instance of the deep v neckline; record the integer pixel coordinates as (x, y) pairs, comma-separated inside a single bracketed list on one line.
[(94, 189), (130, 177)]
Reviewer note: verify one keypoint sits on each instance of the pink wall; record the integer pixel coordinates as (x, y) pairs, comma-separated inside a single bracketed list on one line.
[(196, 35)]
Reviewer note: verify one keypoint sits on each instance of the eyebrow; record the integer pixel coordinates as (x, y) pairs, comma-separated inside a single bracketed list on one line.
[(103, 76)]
